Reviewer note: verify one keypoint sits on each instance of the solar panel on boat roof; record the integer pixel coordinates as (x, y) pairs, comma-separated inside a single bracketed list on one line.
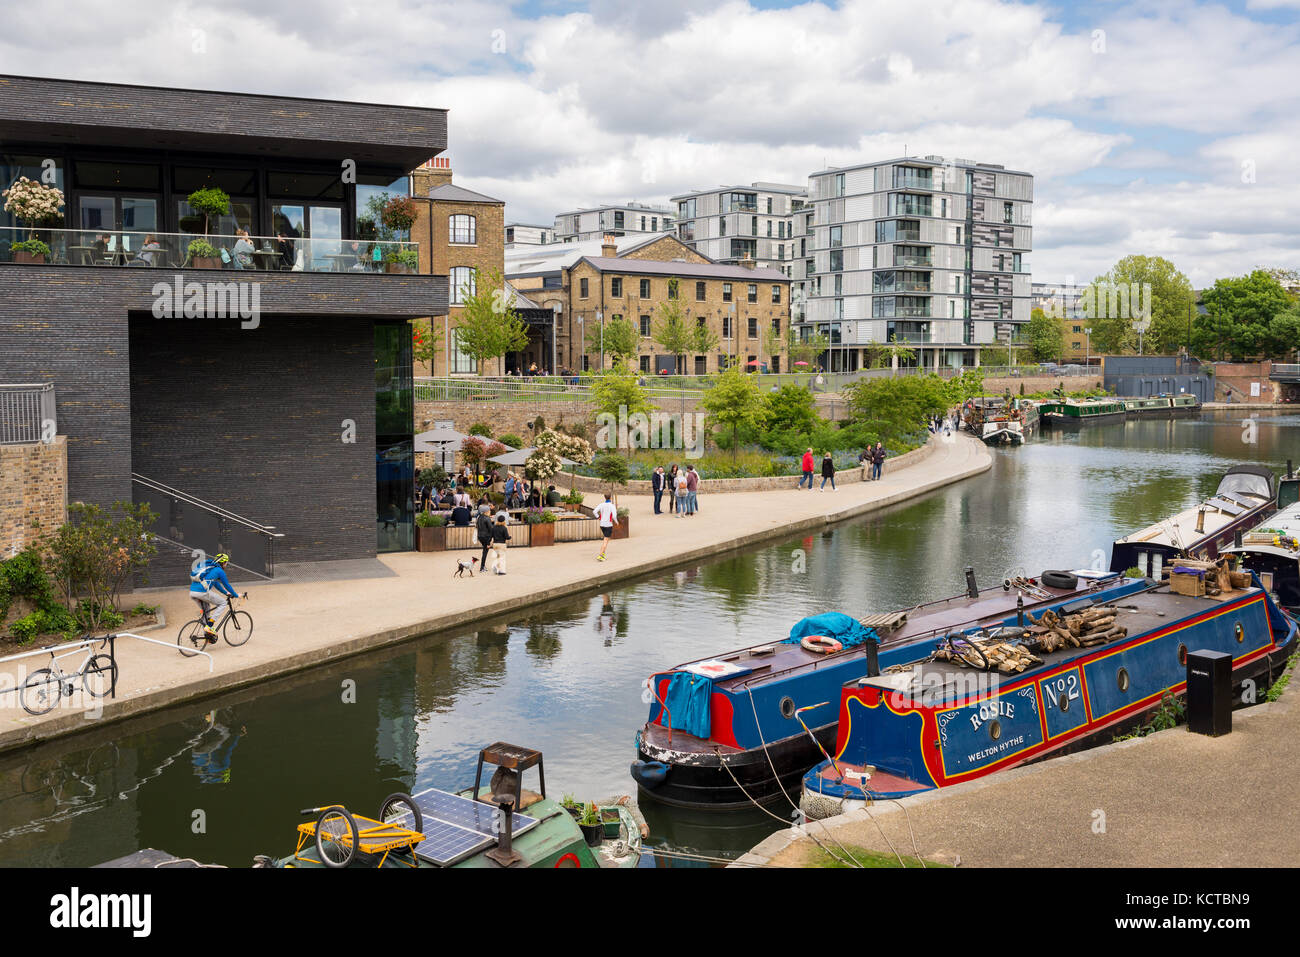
[(1224, 505), (456, 827)]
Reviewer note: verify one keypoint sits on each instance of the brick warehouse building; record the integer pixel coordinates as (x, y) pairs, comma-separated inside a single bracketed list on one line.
[(297, 424)]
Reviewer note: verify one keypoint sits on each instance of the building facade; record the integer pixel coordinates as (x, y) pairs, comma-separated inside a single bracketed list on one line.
[(209, 371), (1063, 301), (528, 234), (925, 253), (600, 221), (733, 223)]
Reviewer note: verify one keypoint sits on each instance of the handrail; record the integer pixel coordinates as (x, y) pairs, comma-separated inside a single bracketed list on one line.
[(194, 500), (651, 685), (165, 644)]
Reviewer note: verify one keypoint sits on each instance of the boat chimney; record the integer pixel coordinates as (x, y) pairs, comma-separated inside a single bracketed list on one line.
[(1020, 610), (873, 660), (1200, 521), (1288, 468), (1236, 539), (972, 589), (504, 854)]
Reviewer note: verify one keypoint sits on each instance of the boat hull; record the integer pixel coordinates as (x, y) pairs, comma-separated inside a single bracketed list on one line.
[(1055, 420)]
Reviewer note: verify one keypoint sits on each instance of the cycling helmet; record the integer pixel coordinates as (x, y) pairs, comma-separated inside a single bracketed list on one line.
[(221, 558)]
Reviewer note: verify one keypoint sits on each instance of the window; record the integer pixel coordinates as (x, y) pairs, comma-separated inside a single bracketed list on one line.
[(956, 285), (460, 362), (645, 327), (672, 288), (776, 326), (722, 225), (769, 206), (654, 224), (701, 365), (726, 292), (769, 228), (462, 284), (1076, 329), (837, 236), (618, 219), (752, 328), (582, 288), (753, 227), (723, 362), (943, 208), (642, 224), (838, 189), (752, 292), (699, 291), (839, 284), (645, 363), (837, 259), (586, 363), (645, 288), (726, 327), (686, 209), (461, 229), (839, 308), (1007, 212), (1015, 262), (616, 287), (776, 293)]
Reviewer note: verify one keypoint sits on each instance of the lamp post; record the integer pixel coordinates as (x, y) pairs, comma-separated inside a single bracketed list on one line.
[(582, 332), (1087, 338), (600, 317), (556, 309)]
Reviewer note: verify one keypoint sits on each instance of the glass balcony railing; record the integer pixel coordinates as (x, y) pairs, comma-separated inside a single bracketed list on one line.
[(913, 261), (139, 249)]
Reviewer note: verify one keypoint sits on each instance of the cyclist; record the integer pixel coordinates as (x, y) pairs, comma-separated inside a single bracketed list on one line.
[(210, 588)]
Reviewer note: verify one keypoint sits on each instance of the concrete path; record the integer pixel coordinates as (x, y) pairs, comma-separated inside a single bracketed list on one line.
[(302, 623), (1172, 799)]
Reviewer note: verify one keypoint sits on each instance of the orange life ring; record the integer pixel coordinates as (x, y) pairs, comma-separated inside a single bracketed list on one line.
[(820, 644)]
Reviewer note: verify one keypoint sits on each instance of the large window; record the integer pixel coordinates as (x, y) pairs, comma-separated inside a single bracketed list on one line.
[(686, 209), (837, 260), (460, 362), (837, 236), (645, 327), (913, 177), (618, 219), (752, 292), (889, 230), (462, 229), (463, 284), (616, 288), (908, 204), (699, 291), (645, 288), (372, 193), (776, 293), (12, 167)]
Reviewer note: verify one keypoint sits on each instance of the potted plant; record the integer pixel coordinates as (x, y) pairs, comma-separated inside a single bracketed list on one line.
[(209, 202), (402, 261), (593, 831), (398, 214), (541, 526), (30, 251), (430, 532), (203, 255), (33, 203), (572, 805), (572, 502), (609, 816), (621, 530)]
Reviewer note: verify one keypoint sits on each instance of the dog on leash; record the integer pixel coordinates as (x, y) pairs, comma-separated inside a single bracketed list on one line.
[(463, 566)]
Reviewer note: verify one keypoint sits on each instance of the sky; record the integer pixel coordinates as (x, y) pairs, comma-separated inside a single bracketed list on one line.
[(1158, 128)]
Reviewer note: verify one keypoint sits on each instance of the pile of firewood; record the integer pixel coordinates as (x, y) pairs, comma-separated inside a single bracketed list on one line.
[(1096, 626), (1003, 655)]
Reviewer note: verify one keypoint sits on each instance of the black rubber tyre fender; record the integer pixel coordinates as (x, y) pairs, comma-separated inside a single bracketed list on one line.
[(1054, 578)]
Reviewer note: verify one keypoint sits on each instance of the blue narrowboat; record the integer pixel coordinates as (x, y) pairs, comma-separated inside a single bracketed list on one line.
[(933, 723), (728, 732)]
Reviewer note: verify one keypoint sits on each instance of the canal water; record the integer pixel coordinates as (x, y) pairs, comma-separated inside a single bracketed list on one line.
[(224, 780)]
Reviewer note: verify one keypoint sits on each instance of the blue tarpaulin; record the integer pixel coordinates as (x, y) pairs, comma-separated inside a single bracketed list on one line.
[(846, 630), (688, 702)]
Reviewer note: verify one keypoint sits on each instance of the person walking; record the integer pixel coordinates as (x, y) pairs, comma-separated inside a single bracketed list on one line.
[(671, 484), (607, 516), (500, 536), (483, 531), (877, 461), (682, 492), (864, 463), (807, 466), (692, 487), (828, 471), (657, 486)]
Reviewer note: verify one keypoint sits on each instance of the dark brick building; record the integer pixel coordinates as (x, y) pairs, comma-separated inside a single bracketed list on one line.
[(295, 414)]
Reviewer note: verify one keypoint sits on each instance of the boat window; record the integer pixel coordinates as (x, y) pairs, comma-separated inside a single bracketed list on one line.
[(1182, 655), (787, 707), (995, 729), (1123, 679), (1244, 483), (1241, 633)]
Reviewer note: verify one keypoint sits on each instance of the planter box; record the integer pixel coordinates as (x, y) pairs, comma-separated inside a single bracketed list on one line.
[(431, 539), (622, 529), (397, 268), (205, 262), (571, 507), (543, 533), (23, 256)]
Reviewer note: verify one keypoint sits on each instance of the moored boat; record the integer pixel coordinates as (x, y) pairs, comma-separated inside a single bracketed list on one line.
[(939, 721), (1272, 549), (1163, 406), (723, 732), (1000, 420), (1246, 496), (1073, 413)]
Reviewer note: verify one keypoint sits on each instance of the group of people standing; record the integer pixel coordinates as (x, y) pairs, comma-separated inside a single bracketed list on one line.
[(682, 486), (871, 458)]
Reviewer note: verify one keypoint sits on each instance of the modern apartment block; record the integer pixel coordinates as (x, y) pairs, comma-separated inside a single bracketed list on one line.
[(922, 252), (529, 234), (600, 221), (733, 223)]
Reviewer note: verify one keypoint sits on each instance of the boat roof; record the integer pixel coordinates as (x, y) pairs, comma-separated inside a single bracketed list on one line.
[(1283, 524), (1232, 499)]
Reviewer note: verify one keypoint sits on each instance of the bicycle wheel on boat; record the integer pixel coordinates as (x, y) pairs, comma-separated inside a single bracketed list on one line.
[(191, 639), (400, 808), (969, 653), (336, 837), (100, 676), (41, 692), (238, 628)]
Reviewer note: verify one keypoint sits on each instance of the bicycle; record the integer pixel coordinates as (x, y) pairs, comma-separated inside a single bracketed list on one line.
[(192, 638), (44, 688)]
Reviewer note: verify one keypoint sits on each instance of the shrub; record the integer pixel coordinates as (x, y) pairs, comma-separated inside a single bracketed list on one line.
[(44, 622), (481, 428), (202, 249), (143, 609), (409, 258), (34, 246), (539, 516), (1134, 572), (428, 520), (93, 555), (573, 497), (512, 440), (24, 576)]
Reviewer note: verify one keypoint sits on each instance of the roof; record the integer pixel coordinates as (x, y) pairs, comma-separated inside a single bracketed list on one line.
[(1260, 539), (598, 209), (752, 187), (553, 257), (654, 267), (924, 161), (450, 193), (521, 301)]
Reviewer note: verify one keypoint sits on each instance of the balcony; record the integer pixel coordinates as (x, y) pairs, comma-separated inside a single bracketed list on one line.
[(140, 249), (914, 261)]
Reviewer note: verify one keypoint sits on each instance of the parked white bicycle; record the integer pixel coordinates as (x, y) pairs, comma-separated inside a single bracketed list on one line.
[(43, 689)]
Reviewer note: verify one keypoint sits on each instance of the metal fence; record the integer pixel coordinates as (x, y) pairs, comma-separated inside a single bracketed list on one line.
[(585, 529), (27, 413)]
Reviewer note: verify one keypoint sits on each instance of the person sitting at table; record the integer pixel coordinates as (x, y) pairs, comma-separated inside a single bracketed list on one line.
[(149, 254), (535, 495), (243, 250), (358, 252), (552, 496), (284, 246), (461, 514), (99, 248)]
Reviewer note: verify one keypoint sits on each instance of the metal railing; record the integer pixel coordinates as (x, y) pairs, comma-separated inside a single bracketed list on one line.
[(198, 526), (154, 250), (1284, 370), (27, 413)]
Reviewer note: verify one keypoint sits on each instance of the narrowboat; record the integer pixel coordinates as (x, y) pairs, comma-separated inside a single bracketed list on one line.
[(1000, 420), (1246, 496), (943, 719), (1272, 549), (1163, 406), (500, 824), (1075, 413), (724, 733)]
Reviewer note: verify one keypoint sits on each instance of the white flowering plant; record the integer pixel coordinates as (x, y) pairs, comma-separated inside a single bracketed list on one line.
[(33, 203), (542, 465), (568, 446)]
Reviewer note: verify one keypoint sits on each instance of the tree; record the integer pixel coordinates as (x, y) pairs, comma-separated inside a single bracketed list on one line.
[(570, 447), (93, 555), (674, 331), (426, 341), (617, 394), (805, 350), (611, 469), (1046, 337), (474, 450), (1171, 300), (886, 355), (1239, 314), (898, 407), (791, 409), (734, 400), (1284, 331), (489, 324), (619, 339)]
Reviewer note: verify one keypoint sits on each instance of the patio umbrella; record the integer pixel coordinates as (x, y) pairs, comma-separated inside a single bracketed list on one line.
[(435, 440), (753, 362), (801, 363), (520, 456)]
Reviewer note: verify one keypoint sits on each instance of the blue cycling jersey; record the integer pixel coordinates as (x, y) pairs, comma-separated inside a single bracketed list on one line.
[(214, 576)]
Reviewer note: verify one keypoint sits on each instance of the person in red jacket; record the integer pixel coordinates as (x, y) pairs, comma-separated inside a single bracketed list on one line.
[(807, 470)]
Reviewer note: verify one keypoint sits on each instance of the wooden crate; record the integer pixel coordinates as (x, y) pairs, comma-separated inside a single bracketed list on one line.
[(1193, 585)]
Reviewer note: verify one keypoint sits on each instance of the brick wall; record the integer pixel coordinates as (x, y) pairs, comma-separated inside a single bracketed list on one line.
[(33, 492), (1233, 380), (665, 249)]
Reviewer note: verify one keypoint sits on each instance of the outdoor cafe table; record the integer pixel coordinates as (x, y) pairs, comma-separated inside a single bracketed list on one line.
[(267, 259)]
